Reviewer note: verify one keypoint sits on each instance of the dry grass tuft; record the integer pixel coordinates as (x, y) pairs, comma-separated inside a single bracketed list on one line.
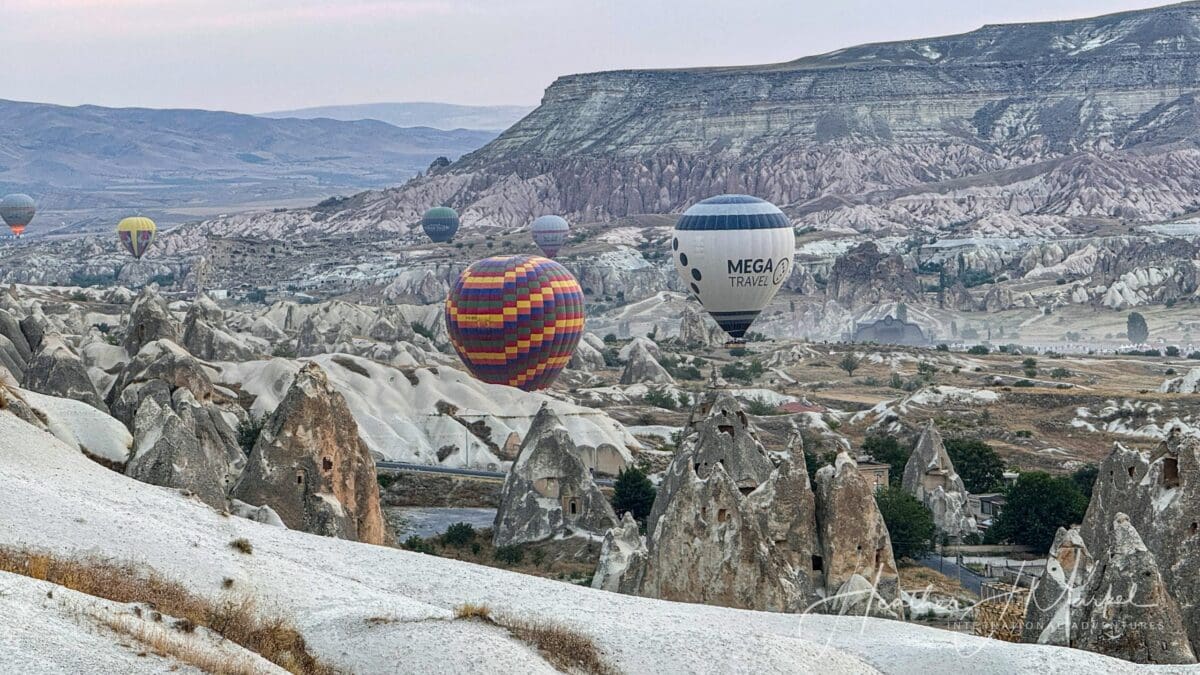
[(238, 620), (243, 545), (562, 647), (191, 652), (473, 611)]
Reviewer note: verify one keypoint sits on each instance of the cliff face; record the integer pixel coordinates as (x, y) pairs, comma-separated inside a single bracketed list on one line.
[(1030, 119)]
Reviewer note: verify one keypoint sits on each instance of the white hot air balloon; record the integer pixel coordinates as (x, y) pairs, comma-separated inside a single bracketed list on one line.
[(733, 252), (550, 233)]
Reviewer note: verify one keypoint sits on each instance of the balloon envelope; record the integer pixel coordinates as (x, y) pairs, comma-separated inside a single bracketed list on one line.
[(515, 320), (17, 210), (550, 233), (136, 235), (440, 223), (733, 252)]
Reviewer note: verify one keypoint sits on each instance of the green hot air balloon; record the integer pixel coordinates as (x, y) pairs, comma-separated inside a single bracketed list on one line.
[(440, 223)]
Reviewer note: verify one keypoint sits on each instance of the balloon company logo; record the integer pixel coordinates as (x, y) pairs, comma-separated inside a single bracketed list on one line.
[(761, 272)]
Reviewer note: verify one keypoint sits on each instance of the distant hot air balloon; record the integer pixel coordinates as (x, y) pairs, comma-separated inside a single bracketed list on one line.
[(17, 210), (733, 252), (515, 320), (136, 233), (550, 233), (440, 223)]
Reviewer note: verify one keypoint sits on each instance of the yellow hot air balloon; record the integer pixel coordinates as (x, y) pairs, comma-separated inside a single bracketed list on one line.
[(136, 233)]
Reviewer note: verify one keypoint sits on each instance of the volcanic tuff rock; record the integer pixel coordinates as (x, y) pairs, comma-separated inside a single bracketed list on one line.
[(865, 276), (586, 357), (642, 368), (549, 491), (149, 320), (168, 453), (854, 538), (1053, 614), (694, 329), (1132, 615), (157, 370), (717, 433), (929, 476), (311, 466), (1160, 494), (57, 371), (622, 559), (10, 328), (206, 335)]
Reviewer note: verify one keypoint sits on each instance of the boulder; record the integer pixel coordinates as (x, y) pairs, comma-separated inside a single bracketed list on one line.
[(636, 343), (149, 320), (57, 371), (33, 328), (259, 514), (643, 368), (1130, 614), (549, 491), (854, 538), (311, 466), (859, 597)]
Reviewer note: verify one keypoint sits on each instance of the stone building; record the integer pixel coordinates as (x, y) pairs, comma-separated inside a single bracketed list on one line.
[(890, 331)]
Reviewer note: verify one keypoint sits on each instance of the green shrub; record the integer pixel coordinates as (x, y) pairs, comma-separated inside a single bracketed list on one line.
[(420, 329), (978, 350), (418, 545), (248, 432), (510, 554), (1060, 373), (660, 399), (459, 535), (760, 407)]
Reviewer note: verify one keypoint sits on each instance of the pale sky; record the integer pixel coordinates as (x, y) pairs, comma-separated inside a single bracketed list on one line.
[(261, 55)]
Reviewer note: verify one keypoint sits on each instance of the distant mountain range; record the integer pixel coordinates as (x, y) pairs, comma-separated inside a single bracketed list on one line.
[(436, 115), (1032, 128), (88, 164)]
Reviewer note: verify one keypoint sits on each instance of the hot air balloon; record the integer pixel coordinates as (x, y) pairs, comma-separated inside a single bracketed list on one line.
[(550, 233), (17, 210), (733, 252), (440, 223), (136, 234), (515, 320)]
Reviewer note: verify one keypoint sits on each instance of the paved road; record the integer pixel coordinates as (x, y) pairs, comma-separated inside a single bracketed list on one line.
[(970, 580), (445, 470)]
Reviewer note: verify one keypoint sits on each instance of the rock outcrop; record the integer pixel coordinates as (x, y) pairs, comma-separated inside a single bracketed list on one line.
[(586, 358), (168, 452), (57, 371), (160, 368), (643, 368), (206, 335), (549, 491), (694, 329), (1053, 614), (929, 476), (729, 527), (854, 538), (149, 319), (312, 468), (1130, 613)]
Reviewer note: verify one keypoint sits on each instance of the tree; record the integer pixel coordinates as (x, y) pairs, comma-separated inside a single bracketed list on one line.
[(1136, 328), (1036, 507), (850, 363), (1085, 479), (977, 464), (887, 450), (633, 492), (909, 523)]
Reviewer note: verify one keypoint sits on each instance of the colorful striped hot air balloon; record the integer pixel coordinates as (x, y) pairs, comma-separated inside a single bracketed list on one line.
[(17, 210), (515, 320), (550, 233), (733, 252), (136, 234), (440, 223)]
